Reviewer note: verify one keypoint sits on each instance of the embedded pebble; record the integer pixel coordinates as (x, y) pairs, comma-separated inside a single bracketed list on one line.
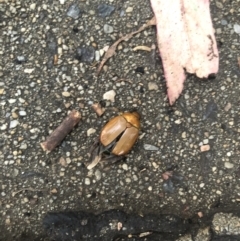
[(128, 180), (228, 165), (149, 147), (22, 113), (228, 107), (184, 135), (224, 22), (107, 28), (236, 28), (129, 9), (87, 181), (204, 148), (3, 127), (85, 54), (219, 4), (98, 175), (105, 10), (11, 101), (23, 146), (90, 131), (210, 110), (20, 59), (152, 86), (66, 94), (32, 6), (97, 55), (74, 11), (125, 167), (205, 141), (178, 121), (28, 71), (13, 124), (109, 95)]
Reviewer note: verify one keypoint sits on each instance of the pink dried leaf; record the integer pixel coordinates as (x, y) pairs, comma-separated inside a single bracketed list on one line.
[(186, 41)]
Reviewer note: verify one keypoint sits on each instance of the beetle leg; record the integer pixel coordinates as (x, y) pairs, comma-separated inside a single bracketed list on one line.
[(106, 148), (113, 158), (94, 146), (95, 154), (110, 160)]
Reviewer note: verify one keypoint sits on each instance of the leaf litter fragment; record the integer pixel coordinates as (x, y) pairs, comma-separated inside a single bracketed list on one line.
[(111, 51), (141, 47)]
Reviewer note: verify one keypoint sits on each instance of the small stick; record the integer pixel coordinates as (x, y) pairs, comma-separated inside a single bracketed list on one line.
[(60, 133), (111, 51)]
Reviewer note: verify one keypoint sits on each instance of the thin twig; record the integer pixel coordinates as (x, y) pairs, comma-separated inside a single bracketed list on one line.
[(111, 51)]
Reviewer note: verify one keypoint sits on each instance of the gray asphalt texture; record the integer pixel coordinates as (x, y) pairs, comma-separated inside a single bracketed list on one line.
[(36, 95)]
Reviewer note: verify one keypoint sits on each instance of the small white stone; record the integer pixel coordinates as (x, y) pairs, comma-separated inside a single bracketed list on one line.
[(218, 192), (101, 52), (87, 181), (149, 147), (28, 71), (23, 146), (150, 188), (13, 124), (129, 9), (97, 55), (205, 141), (11, 101), (22, 113), (62, 1), (228, 165), (66, 94), (107, 28), (90, 131), (178, 122), (128, 180), (98, 175), (21, 100), (110, 95), (3, 127), (33, 6), (184, 135), (214, 169), (125, 167), (229, 153), (135, 178), (152, 86), (236, 28), (202, 185)]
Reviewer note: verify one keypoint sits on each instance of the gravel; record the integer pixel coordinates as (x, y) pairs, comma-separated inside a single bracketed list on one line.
[(47, 68)]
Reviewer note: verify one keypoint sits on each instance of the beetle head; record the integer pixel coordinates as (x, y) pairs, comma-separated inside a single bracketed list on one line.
[(135, 113)]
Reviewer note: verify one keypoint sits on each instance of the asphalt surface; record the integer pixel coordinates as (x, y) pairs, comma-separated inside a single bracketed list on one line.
[(36, 94)]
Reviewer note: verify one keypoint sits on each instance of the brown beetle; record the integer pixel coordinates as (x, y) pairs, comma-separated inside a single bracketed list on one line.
[(116, 138)]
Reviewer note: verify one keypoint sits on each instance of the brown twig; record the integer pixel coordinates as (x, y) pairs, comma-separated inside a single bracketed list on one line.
[(60, 133), (111, 51)]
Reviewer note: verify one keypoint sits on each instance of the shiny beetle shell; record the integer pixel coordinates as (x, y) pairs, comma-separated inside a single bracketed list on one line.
[(127, 126)]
